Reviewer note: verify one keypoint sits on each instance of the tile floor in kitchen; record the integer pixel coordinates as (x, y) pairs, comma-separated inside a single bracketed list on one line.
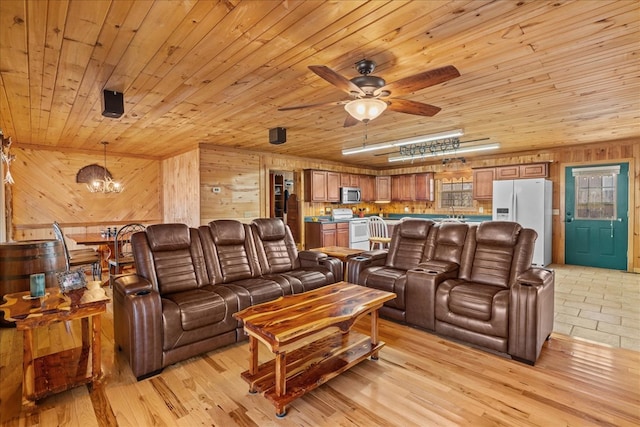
[(598, 305)]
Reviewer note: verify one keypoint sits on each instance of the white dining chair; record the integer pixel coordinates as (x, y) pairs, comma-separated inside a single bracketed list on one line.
[(378, 233)]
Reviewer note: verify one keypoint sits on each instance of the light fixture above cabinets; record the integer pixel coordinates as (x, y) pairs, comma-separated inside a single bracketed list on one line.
[(401, 142), (444, 148)]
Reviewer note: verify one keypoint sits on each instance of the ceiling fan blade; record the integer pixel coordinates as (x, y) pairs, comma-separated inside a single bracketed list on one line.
[(336, 79), (322, 104), (420, 81), (350, 121), (412, 107)]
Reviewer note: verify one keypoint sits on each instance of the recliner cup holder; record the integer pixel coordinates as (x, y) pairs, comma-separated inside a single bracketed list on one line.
[(141, 293)]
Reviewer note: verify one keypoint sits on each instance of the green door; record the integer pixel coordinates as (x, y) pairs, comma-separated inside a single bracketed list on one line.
[(596, 200)]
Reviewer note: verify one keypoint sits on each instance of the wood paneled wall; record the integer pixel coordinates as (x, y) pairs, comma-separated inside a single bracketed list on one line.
[(238, 181), (229, 168), (181, 188), (45, 191)]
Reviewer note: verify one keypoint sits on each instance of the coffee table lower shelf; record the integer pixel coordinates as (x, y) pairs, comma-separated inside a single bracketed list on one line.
[(310, 366)]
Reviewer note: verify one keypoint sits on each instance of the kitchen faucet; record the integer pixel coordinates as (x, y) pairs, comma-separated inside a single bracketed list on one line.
[(453, 212)]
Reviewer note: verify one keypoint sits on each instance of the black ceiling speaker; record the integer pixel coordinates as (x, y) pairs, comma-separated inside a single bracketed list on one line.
[(277, 136), (113, 105)]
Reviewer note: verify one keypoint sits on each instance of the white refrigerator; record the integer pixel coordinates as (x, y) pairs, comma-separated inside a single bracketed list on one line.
[(527, 202)]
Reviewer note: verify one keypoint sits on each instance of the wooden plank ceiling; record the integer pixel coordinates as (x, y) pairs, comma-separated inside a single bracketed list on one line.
[(534, 74)]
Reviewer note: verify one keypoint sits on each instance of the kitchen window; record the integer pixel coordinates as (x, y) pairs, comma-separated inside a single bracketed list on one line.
[(456, 194)]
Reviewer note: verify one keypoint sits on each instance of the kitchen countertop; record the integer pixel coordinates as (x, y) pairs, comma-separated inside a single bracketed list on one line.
[(393, 219)]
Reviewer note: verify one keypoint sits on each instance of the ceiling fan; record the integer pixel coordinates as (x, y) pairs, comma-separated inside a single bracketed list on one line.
[(371, 95)]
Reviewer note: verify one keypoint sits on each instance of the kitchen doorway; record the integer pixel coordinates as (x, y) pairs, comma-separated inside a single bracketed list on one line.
[(597, 215), (284, 201)]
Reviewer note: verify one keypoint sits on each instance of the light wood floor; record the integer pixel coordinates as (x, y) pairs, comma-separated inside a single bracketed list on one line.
[(419, 380)]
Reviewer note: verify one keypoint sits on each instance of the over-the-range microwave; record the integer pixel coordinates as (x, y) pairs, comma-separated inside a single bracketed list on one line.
[(350, 195)]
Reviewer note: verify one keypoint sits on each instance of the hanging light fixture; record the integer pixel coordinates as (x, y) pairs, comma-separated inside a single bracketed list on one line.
[(365, 109), (105, 185)]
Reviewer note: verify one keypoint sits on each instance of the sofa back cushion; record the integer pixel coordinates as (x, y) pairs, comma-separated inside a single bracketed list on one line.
[(408, 243), (275, 248), (171, 257), (448, 241), (499, 251), (230, 252)]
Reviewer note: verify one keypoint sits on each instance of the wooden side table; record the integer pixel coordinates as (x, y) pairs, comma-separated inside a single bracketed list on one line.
[(60, 371), (342, 253)]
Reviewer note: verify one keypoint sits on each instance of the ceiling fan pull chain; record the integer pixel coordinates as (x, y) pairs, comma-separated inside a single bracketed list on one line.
[(364, 137)]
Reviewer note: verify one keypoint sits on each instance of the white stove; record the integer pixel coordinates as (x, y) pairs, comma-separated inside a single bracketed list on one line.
[(358, 228)]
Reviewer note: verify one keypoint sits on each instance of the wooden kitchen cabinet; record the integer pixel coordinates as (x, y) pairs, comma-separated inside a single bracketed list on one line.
[(424, 187), (403, 188), (319, 234), (333, 187), (383, 188), (349, 180), (368, 188), (315, 185), (321, 186), (532, 170), (483, 183), (342, 234), (507, 172)]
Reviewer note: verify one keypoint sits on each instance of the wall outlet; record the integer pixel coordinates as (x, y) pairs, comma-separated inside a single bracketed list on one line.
[(555, 211), (216, 190), (480, 209)]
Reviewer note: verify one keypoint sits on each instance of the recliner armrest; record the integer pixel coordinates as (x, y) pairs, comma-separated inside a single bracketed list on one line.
[(420, 291), (137, 324), (530, 313), (536, 277), (365, 260), (434, 266), (131, 284), (335, 266), (310, 258)]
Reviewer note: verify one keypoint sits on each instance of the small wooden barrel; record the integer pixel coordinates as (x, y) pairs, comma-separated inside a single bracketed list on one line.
[(18, 260)]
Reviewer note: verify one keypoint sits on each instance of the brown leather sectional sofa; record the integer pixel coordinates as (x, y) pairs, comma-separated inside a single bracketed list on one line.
[(471, 283), (189, 282)]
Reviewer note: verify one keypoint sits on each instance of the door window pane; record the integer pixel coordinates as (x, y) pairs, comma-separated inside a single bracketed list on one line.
[(595, 194)]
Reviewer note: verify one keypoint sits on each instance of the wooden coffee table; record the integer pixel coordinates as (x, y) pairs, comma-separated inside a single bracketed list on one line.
[(60, 371), (282, 323)]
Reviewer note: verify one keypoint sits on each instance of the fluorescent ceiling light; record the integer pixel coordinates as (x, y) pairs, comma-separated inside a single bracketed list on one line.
[(407, 141), (439, 153)]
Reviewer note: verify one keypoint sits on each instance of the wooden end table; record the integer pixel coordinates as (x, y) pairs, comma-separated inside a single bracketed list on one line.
[(284, 321), (342, 253), (60, 371)]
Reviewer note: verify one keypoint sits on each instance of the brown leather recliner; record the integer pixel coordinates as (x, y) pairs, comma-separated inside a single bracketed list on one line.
[(169, 311), (387, 270), (280, 259), (443, 257), (498, 301), (474, 283), (189, 283)]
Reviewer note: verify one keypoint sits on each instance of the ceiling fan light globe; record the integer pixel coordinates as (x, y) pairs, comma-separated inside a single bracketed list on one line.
[(365, 109)]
